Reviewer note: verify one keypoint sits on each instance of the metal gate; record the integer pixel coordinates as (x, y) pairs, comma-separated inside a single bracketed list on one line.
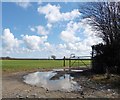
[(75, 61)]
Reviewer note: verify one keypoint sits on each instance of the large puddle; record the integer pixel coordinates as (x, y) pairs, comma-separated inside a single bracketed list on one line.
[(51, 80)]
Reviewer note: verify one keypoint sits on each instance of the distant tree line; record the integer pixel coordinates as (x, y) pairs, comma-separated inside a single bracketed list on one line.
[(6, 58)]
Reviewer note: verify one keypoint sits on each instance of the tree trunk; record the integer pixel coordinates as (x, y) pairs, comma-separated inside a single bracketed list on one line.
[(107, 73)]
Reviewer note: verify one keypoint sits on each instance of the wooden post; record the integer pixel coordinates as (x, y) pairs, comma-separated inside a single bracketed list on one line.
[(69, 64), (64, 63), (78, 61)]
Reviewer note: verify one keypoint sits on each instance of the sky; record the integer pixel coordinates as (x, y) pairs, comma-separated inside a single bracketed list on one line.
[(42, 29)]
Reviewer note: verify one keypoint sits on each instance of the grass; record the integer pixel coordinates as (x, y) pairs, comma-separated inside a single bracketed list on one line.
[(22, 65)]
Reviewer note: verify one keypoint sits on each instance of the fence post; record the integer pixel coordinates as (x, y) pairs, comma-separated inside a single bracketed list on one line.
[(64, 63), (69, 64)]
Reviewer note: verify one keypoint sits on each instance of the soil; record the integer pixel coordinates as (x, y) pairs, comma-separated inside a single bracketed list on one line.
[(14, 87)]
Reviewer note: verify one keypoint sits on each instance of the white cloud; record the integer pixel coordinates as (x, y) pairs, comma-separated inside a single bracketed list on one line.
[(73, 37), (47, 45), (71, 15), (41, 30), (39, 2), (34, 42), (9, 42), (61, 46), (23, 3), (69, 34), (32, 29), (51, 48), (53, 14), (78, 37), (49, 26)]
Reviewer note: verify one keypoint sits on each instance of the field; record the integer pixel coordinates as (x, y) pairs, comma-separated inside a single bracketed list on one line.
[(23, 65)]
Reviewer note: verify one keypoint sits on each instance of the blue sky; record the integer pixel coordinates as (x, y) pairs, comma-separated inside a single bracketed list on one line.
[(42, 29)]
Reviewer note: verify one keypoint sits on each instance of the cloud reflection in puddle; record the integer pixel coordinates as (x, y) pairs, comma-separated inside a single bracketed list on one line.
[(43, 79)]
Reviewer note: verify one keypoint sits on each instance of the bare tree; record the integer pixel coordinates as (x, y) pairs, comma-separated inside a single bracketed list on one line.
[(104, 17)]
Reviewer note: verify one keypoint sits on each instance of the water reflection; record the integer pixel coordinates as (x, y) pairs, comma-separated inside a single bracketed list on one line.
[(52, 81)]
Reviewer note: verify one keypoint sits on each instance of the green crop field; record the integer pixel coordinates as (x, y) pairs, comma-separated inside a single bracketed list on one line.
[(22, 65)]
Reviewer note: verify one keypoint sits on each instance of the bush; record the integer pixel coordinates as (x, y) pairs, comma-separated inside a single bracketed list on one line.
[(106, 56)]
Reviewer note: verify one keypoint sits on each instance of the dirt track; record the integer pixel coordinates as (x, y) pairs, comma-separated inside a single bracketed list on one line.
[(14, 87)]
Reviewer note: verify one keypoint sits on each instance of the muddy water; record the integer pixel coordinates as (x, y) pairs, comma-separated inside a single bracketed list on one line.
[(45, 79)]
